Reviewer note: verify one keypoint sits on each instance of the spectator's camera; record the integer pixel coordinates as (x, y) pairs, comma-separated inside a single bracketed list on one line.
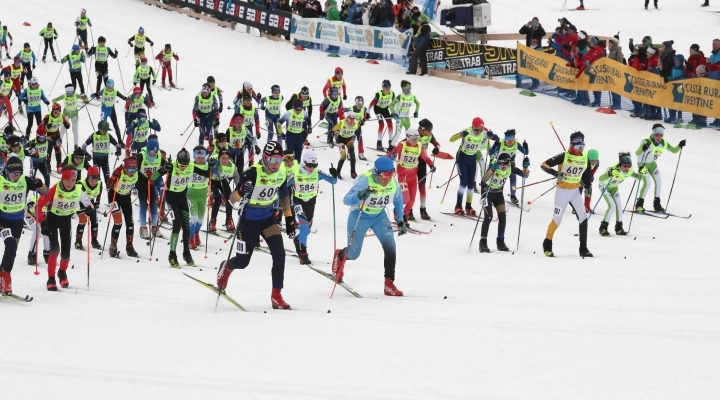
[(564, 20)]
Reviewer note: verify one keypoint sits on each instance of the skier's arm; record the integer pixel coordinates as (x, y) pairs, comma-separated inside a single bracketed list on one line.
[(112, 142), (135, 77), (640, 150), (548, 164), (44, 201), (236, 177), (205, 173), (457, 136), (374, 100), (485, 178), (417, 105), (55, 100), (326, 87), (394, 103), (424, 155), (154, 125), (88, 142), (327, 178), (351, 198)]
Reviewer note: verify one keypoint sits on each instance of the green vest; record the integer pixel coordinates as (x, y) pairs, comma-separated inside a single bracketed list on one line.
[(107, 97), (53, 124), (126, 183), (15, 72), (272, 105), (198, 181), (141, 131), (12, 195), (3, 144), (384, 100), (248, 115), (295, 123), (381, 195), (236, 138), (306, 186), (405, 102), (333, 105), (509, 150), (26, 56), (425, 141), (90, 192), (6, 87), (347, 131), (472, 143), (409, 156), (140, 41), (101, 143), (166, 57), (498, 178), (205, 104), (75, 61), (143, 72), (147, 167), (616, 176), (224, 171), (655, 151), (47, 34), (42, 148), (573, 167), (266, 186), (136, 103), (337, 84), (306, 102), (71, 161), (66, 203), (83, 22), (34, 96), (179, 179), (71, 105), (101, 53)]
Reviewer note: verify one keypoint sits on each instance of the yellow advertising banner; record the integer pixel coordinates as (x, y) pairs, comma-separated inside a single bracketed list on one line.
[(695, 95)]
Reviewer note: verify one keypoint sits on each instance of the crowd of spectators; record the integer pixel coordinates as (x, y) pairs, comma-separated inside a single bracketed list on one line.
[(580, 50)]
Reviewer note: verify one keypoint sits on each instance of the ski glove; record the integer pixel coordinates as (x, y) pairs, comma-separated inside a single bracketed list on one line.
[(309, 130), (196, 122), (645, 146), (44, 229), (291, 227), (38, 183), (526, 162), (344, 97), (415, 114), (682, 143), (432, 169), (560, 177), (436, 151), (364, 194), (402, 228), (212, 163), (334, 173), (257, 150), (395, 116), (154, 80), (494, 166), (257, 134)]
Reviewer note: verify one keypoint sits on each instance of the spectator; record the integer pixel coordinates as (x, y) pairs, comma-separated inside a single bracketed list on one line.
[(421, 42), (332, 14), (713, 63), (313, 9), (284, 6), (638, 60), (556, 41), (595, 52), (399, 11), (532, 30), (617, 55), (298, 7), (579, 62), (696, 59), (355, 13), (667, 59), (381, 16), (414, 19), (652, 112), (700, 72), (405, 23), (677, 73)]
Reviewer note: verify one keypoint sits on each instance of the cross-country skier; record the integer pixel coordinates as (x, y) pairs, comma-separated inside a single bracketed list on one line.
[(149, 162), (34, 227), (271, 105), (38, 150), (27, 58), (101, 141), (5, 37), (63, 200), (336, 81), (297, 128), (165, 57), (205, 112), (258, 189), (304, 96), (648, 153), (305, 188), (250, 115), (197, 195), (75, 60), (5, 103), (145, 75), (492, 185), (93, 190), (247, 89), (572, 168), (32, 96), (510, 146), (70, 111), (79, 159), (138, 131), (361, 112), (49, 34), (594, 160), (52, 123), (425, 128), (12, 213), (81, 24), (331, 110), (343, 133), (239, 140), (609, 187), (218, 93), (400, 108), (119, 189), (372, 192), (137, 41), (12, 73), (381, 107), (223, 171), (107, 106), (466, 162), (101, 53)]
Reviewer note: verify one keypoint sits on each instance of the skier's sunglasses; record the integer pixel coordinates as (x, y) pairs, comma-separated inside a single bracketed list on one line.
[(579, 146), (130, 170), (275, 160), (311, 165), (289, 157), (386, 174), (407, 88)]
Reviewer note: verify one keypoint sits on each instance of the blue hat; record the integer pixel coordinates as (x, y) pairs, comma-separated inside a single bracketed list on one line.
[(75, 47), (384, 164), (141, 30), (142, 111), (110, 83), (153, 145)]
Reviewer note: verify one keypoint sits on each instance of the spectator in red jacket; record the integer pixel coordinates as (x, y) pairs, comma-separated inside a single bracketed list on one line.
[(696, 58), (595, 52), (639, 61)]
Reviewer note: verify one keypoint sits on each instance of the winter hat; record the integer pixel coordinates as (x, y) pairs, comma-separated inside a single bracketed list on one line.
[(668, 44), (477, 122), (93, 172), (412, 133), (309, 157), (14, 165), (237, 119), (104, 126), (651, 50), (297, 103), (577, 138), (681, 58), (152, 145), (130, 162), (695, 47), (288, 152), (572, 28), (8, 130), (141, 30), (210, 79), (595, 40), (79, 153), (593, 155), (624, 158), (425, 124), (384, 164), (658, 128), (614, 40), (75, 47), (69, 172)]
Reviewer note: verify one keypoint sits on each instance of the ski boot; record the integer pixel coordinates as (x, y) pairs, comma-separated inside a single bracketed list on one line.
[(5, 282), (424, 215), (277, 301), (604, 229), (338, 265), (484, 246), (584, 252), (54, 58), (501, 245), (459, 210), (223, 275), (619, 229), (144, 234), (191, 243), (156, 232), (514, 200), (229, 225), (130, 250), (379, 146), (62, 275), (79, 245), (639, 205), (547, 248), (580, 8), (173, 260), (476, 190), (51, 285), (58, 169), (163, 84), (32, 258), (469, 210), (390, 147), (43, 59), (656, 205), (95, 244), (212, 228), (390, 289), (353, 174), (303, 255), (197, 239), (410, 216), (362, 156), (188, 259), (406, 221), (114, 250), (172, 84)]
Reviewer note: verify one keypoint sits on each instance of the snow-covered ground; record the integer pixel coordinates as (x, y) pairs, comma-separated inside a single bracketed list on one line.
[(639, 321)]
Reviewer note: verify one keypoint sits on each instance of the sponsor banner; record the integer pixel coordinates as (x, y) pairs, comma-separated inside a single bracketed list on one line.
[(474, 58), (695, 95), (356, 37), (249, 14)]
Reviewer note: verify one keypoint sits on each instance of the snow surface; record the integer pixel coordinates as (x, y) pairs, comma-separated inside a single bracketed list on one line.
[(639, 321)]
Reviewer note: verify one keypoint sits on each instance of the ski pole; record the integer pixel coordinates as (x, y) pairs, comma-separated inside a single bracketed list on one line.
[(88, 256), (56, 78), (92, 37), (189, 136), (160, 207), (640, 167), (630, 195), (334, 220), (128, 53), (544, 193), (149, 208), (112, 204), (451, 178), (533, 184), (177, 72), (121, 76), (431, 174), (39, 45), (673, 182), (472, 239), (243, 201), (207, 203), (352, 236), (58, 48), (558, 136), (597, 202), (188, 127), (522, 207), (632, 213)]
